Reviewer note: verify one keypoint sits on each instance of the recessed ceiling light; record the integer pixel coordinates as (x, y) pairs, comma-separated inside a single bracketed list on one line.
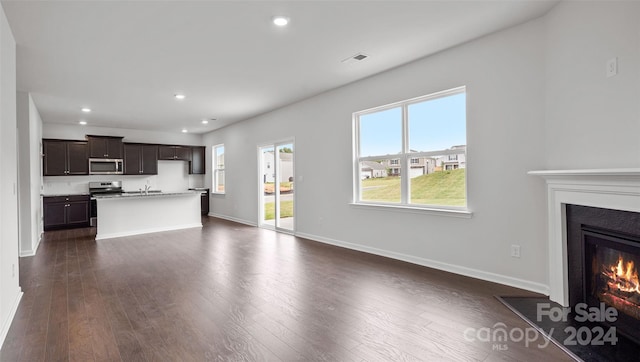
[(280, 20), (180, 96), (83, 123), (184, 130), (86, 110), (204, 121)]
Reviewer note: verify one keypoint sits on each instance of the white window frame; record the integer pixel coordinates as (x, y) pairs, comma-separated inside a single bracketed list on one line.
[(216, 170), (405, 157)]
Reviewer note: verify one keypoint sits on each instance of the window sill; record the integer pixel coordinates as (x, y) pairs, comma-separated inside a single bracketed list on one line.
[(218, 193), (459, 213)]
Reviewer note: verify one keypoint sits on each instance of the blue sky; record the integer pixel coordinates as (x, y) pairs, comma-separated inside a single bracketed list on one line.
[(436, 124)]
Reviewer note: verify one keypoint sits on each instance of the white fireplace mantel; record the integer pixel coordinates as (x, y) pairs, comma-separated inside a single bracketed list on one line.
[(617, 189)]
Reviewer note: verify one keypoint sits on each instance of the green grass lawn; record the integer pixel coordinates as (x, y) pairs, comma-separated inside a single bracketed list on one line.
[(286, 210), (444, 188)]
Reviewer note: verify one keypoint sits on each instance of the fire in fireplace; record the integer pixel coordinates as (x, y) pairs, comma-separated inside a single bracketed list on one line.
[(623, 277), (611, 276)]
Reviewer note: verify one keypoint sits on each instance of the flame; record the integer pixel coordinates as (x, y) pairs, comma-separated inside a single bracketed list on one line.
[(625, 276)]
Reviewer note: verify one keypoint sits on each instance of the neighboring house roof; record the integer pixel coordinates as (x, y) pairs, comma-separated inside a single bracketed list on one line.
[(373, 165), (285, 156)]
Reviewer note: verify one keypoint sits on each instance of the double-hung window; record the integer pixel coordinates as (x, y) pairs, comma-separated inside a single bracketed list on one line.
[(218, 169), (419, 146)]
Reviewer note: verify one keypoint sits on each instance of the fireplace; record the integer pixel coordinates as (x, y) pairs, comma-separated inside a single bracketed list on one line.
[(603, 248)]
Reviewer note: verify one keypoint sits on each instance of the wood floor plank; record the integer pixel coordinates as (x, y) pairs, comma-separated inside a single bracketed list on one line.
[(235, 292)]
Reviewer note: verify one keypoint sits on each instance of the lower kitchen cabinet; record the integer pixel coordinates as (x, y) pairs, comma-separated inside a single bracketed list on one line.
[(65, 212), (204, 200)]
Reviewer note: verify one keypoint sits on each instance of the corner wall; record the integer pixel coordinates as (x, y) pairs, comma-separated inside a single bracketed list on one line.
[(30, 178), (593, 121), (10, 292)]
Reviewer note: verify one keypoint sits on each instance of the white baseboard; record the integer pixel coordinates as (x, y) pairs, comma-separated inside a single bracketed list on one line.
[(12, 313), (452, 268), (26, 253), (31, 252), (147, 231), (230, 218)]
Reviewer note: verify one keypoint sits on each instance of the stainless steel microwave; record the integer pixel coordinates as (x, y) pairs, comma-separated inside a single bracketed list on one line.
[(105, 166)]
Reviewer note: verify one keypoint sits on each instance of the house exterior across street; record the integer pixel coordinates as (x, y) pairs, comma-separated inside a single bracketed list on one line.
[(418, 166)]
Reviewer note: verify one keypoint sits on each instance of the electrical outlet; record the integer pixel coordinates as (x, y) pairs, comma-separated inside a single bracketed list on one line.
[(612, 67), (515, 251)]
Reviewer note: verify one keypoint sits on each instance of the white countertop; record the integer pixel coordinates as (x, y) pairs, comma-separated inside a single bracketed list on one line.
[(150, 194)]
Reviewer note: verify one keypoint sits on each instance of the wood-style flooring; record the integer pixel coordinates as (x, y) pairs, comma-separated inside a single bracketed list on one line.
[(240, 293)]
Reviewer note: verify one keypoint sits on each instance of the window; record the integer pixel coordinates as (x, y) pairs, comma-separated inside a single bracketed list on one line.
[(218, 169), (431, 129)]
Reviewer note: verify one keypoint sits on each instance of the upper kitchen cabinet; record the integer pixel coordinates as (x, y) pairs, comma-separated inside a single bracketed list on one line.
[(166, 152), (63, 158), (105, 147), (140, 159), (196, 166)]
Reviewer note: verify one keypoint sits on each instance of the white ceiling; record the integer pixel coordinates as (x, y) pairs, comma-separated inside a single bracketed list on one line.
[(126, 60)]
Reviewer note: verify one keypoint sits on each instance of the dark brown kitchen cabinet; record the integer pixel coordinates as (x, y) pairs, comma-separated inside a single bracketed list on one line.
[(196, 166), (63, 158), (166, 152), (66, 212), (105, 147), (140, 159), (204, 202)]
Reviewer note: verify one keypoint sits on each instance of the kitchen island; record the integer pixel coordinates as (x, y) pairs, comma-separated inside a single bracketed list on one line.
[(140, 213)]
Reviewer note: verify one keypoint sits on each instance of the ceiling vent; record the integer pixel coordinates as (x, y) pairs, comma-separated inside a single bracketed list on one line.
[(355, 58)]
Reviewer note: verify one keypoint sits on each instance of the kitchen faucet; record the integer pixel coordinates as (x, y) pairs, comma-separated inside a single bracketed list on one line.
[(146, 189)]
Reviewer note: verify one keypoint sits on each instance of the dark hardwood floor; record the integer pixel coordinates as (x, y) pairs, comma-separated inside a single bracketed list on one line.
[(234, 292)]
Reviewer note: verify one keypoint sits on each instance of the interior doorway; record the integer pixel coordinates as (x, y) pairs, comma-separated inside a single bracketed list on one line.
[(277, 186)]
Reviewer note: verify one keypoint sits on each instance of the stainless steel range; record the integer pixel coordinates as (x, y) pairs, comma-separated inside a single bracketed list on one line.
[(102, 188)]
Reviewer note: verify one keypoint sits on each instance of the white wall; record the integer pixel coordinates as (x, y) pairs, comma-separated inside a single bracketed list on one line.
[(593, 121), (30, 178), (10, 292), (504, 75), (78, 132)]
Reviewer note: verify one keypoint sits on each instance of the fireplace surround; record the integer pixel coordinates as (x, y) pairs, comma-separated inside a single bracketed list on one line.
[(614, 189)]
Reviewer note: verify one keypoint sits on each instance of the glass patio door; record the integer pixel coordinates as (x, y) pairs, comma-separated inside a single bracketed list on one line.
[(277, 191)]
